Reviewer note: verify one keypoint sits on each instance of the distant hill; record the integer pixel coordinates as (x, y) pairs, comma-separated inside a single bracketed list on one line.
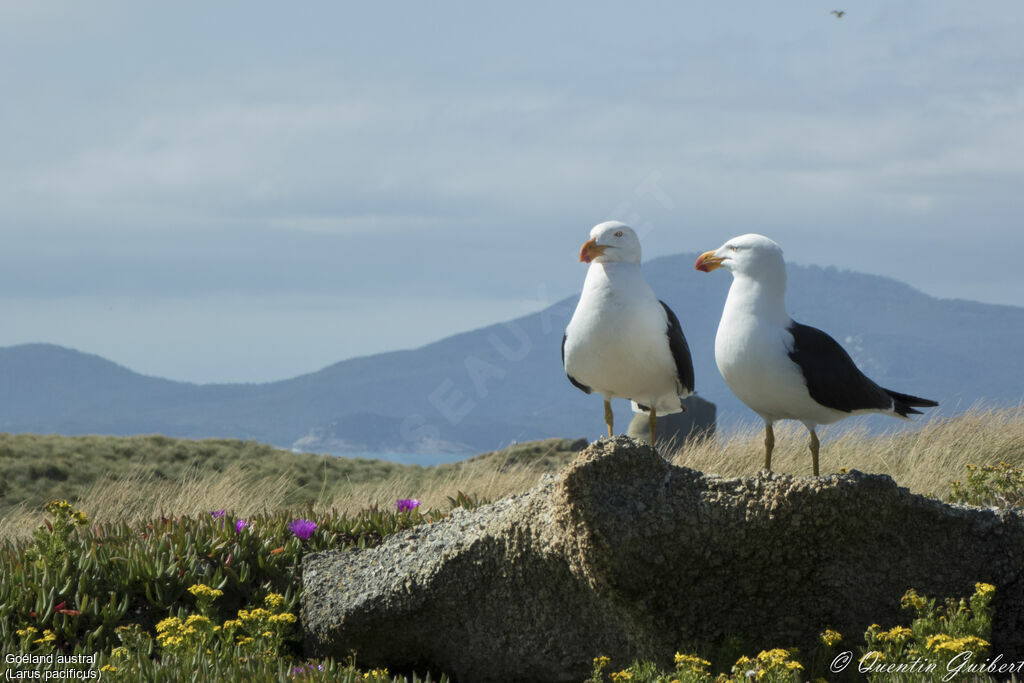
[(486, 388)]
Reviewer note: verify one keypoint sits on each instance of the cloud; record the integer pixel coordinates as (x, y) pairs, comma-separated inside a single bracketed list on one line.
[(334, 150)]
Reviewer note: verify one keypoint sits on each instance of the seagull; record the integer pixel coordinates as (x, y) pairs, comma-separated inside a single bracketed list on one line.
[(622, 342), (781, 369), (839, 13)]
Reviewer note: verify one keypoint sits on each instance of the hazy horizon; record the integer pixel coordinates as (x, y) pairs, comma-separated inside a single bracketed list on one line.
[(213, 195)]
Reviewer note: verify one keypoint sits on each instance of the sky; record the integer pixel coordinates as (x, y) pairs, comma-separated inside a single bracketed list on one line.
[(245, 192)]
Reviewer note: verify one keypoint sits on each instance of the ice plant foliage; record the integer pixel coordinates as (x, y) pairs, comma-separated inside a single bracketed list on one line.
[(406, 504), (195, 596), (303, 528)]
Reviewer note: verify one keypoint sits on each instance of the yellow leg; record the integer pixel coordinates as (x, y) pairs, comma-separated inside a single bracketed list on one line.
[(769, 445), (653, 423), (814, 452), (609, 419)]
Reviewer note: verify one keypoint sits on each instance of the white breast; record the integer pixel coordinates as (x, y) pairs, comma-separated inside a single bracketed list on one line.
[(752, 352), (617, 342)]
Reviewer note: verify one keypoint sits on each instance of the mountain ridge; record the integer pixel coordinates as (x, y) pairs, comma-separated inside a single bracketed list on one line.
[(484, 388)]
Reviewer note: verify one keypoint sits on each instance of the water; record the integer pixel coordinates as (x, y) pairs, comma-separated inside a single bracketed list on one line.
[(421, 459)]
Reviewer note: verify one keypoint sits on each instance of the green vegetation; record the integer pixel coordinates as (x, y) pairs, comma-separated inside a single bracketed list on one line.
[(928, 649), (216, 597), (181, 560), (179, 598), (999, 485)]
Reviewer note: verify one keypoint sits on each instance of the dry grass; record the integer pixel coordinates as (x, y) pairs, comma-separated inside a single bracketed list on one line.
[(923, 457), (140, 496)]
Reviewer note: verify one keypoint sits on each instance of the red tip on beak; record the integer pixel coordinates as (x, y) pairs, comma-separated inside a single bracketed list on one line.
[(707, 262), (590, 251)]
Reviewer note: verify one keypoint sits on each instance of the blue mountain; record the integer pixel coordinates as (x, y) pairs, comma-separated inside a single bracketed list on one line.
[(483, 389)]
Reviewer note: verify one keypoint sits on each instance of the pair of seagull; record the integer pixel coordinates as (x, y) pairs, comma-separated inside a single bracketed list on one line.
[(622, 342)]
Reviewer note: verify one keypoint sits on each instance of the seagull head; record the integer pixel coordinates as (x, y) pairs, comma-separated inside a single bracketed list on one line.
[(752, 255), (611, 241)]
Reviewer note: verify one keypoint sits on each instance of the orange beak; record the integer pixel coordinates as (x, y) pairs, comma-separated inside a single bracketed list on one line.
[(590, 251), (708, 262)]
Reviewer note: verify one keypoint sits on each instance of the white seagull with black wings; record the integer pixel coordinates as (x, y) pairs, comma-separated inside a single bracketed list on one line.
[(622, 342), (781, 369)]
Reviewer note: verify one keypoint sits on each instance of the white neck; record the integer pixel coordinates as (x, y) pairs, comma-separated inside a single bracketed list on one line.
[(764, 298), (600, 272)]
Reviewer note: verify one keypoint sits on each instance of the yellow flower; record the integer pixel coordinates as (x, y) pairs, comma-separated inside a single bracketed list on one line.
[(283, 618), (169, 641), (897, 634), (692, 662), (972, 643), (938, 642), (274, 600), (107, 667), (245, 640), (774, 655), (48, 637), (943, 643), (601, 662), (168, 623), (912, 599), (623, 675), (830, 638), (200, 590), (258, 614), (984, 589), (55, 506)]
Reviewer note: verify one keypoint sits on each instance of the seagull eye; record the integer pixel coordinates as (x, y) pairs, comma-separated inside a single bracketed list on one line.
[(734, 247), (618, 233)]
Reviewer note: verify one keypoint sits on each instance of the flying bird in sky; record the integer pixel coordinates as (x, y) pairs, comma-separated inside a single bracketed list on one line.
[(622, 342), (781, 369), (839, 13)]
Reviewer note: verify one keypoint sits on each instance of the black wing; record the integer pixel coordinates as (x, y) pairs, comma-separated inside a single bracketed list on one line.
[(680, 350), (834, 380), (902, 403), (579, 385)]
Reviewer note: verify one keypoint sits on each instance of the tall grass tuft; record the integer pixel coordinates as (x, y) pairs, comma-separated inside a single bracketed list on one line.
[(923, 457)]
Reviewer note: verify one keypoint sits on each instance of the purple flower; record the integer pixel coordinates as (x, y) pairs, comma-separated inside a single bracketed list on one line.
[(239, 525), (302, 669), (406, 504), (217, 514), (303, 528)]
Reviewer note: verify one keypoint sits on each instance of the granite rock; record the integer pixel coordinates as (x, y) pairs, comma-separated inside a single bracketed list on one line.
[(625, 555)]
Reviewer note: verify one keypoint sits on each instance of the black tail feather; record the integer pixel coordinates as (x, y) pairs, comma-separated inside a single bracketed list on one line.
[(904, 404)]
